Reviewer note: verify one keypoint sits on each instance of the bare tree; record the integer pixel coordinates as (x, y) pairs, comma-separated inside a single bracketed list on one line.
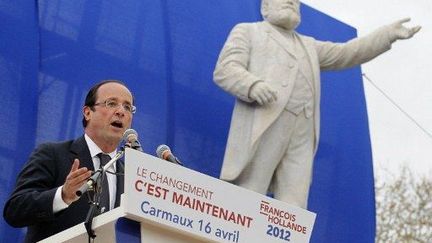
[(404, 209)]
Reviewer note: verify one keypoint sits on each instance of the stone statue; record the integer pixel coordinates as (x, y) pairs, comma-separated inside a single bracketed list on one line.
[(274, 73)]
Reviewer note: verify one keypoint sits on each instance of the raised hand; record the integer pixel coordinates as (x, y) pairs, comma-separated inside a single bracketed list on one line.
[(74, 180)]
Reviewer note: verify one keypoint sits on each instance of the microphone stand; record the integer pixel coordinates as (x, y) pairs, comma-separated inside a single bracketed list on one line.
[(95, 182), (94, 207)]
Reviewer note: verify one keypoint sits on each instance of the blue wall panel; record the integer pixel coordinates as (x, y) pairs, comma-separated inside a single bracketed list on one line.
[(51, 52)]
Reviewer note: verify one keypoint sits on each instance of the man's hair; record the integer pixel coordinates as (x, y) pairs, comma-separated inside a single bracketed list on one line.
[(91, 97)]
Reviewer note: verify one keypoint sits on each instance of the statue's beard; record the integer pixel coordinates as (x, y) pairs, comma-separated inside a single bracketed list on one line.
[(286, 21)]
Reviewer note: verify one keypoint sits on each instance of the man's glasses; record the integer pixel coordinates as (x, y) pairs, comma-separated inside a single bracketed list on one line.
[(113, 104)]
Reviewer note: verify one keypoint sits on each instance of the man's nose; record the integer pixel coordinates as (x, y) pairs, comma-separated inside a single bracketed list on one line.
[(121, 110)]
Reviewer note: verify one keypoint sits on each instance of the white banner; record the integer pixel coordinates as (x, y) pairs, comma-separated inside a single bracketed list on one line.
[(192, 202)]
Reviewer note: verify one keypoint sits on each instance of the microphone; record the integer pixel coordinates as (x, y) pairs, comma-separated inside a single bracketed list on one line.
[(88, 184), (93, 179), (164, 152), (130, 136)]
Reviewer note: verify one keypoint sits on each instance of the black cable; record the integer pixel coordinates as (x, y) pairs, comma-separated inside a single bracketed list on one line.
[(115, 173)]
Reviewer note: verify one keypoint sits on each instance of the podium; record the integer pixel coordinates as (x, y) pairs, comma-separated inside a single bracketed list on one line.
[(164, 202)]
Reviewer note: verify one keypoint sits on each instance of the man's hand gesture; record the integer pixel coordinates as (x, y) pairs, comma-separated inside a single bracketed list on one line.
[(74, 180)]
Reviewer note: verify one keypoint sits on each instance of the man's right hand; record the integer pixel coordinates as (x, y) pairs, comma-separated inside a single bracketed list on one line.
[(74, 180), (263, 93)]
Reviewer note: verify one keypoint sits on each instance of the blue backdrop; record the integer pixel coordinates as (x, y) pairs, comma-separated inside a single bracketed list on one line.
[(51, 52)]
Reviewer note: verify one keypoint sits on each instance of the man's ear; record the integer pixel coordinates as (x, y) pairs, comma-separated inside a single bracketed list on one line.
[(87, 113)]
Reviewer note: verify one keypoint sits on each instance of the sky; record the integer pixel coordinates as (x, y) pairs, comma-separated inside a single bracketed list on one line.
[(399, 86)]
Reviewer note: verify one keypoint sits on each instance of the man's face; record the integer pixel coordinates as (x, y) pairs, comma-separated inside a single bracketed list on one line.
[(282, 13), (106, 125)]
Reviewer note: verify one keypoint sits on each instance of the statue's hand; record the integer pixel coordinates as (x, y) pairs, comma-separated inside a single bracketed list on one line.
[(263, 93), (399, 31)]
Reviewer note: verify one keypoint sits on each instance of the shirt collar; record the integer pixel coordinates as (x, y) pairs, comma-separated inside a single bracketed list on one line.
[(94, 149)]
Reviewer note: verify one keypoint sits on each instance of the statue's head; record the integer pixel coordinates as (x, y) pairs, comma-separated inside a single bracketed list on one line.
[(282, 13)]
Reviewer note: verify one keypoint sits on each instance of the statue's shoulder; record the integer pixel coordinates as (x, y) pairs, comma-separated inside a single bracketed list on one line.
[(247, 29), (305, 38), (248, 25), (253, 28)]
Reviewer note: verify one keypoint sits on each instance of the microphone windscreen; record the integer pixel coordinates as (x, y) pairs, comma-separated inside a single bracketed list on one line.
[(161, 149), (129, 132)]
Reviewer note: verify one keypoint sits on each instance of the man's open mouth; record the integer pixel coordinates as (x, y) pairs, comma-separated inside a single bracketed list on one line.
[(117, 124)]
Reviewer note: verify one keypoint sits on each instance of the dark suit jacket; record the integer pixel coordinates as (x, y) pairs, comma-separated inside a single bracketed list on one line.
[(31, 203)]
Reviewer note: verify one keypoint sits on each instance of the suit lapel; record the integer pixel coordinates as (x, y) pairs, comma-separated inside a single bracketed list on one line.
[(80, 149), (279, 38), (310, 55)]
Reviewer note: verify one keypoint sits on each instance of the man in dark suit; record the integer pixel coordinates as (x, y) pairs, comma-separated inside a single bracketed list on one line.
[(44, 198)]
